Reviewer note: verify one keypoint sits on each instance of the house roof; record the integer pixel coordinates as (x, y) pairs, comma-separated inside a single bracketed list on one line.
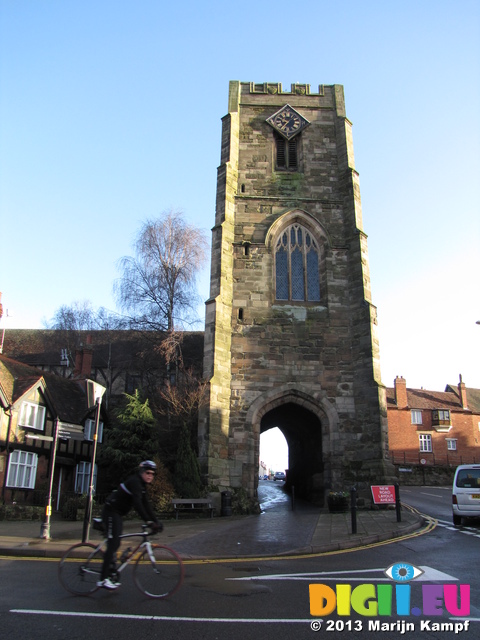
[(448, 399), (120, 348), (17, 378), (67, 398), (473, 397)]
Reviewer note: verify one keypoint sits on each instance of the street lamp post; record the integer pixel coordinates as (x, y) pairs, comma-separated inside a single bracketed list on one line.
[(99, 391), (45, 529)]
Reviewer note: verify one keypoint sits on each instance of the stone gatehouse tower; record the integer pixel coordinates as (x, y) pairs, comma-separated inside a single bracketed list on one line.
[(290, 336)]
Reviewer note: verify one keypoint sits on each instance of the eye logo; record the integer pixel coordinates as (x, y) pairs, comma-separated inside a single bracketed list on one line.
[(382, 599), (403, 572)]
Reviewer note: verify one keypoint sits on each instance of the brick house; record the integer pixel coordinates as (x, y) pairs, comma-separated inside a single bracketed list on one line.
[(33, 404), (433, 427)]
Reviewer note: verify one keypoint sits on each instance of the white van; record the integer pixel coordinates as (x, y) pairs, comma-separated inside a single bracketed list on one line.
[(466, 493)]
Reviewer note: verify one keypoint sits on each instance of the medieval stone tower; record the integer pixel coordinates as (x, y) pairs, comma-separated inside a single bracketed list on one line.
[(290, 336)]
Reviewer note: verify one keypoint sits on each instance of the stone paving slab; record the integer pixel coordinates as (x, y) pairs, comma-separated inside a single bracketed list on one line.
[(273, 533)]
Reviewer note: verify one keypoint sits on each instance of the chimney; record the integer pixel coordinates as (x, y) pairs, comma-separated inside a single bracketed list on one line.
[(400, 392), (83, 360), (462, 392)]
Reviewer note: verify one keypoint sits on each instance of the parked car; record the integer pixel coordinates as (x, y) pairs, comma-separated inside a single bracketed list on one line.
[(279, 475), (466, 493)]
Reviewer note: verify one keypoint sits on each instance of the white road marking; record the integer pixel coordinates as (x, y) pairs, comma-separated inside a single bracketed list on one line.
[(127, 616), (469, 531), (430, 575)]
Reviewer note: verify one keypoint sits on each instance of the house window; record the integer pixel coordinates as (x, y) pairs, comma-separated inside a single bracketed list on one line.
[(425, 440), (22, 469), (451, 444), (89, 430), (32, 415), (416, 416), (297, 266), (441, 416), (82, 477), (286, 153)]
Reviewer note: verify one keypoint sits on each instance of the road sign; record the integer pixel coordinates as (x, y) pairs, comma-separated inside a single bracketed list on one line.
[(67, 431), (383, 494), (34, 437), (70, 435)]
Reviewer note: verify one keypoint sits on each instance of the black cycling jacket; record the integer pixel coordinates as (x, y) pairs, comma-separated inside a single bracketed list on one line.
[(131, 493)]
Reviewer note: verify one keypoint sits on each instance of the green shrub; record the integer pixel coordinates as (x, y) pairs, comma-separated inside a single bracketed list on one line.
[(20, 512), (242, 504)]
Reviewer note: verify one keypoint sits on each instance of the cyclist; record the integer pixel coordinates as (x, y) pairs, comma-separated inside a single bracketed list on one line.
[(131, 493)]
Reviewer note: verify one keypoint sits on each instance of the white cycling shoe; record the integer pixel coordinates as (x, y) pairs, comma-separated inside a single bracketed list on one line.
[(108, 584)]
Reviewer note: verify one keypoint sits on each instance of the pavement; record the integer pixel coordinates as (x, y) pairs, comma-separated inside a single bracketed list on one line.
[(278, 531)]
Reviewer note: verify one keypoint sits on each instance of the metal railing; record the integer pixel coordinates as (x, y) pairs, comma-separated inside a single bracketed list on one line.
[(424, 458)]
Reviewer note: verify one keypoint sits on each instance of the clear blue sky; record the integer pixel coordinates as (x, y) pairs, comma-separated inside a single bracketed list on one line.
[(110, 113)]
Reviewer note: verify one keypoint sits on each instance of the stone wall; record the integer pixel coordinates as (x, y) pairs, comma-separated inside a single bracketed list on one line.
[(425, 475), (325, 351)]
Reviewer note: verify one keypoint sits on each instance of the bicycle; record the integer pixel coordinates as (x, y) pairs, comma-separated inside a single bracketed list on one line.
[(157, 571)]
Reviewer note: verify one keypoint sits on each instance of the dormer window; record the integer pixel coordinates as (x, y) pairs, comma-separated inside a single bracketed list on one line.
[(32, 415)]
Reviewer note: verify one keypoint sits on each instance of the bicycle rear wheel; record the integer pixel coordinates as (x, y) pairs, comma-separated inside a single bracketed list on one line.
[(160, 574), (79, 569)]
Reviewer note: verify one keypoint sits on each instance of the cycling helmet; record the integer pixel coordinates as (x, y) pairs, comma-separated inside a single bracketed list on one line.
[(147, 465)]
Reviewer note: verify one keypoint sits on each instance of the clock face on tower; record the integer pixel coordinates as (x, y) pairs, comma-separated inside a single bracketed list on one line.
[(287, 122)]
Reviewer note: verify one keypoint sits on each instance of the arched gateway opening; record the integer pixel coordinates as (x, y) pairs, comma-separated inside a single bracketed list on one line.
[(303, 433), (307, 422)]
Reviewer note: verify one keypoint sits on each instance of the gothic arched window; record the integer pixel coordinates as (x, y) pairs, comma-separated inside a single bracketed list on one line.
[(297, 265)]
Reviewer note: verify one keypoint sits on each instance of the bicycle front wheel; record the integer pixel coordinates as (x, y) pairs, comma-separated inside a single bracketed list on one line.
[(79, 569), (160, 573)]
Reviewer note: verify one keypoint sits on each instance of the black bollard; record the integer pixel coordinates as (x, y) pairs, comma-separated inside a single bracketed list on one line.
[(353, 508), (293, 498), (398, 505)]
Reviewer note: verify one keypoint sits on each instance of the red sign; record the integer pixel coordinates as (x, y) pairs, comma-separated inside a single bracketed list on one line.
[(383, 494)]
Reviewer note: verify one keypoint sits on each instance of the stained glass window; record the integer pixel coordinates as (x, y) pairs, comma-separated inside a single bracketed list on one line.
[(297, 266)]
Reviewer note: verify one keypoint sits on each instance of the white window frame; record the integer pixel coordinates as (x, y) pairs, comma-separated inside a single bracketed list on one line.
[(32, 415), (416, 415), (22, 469), (451, 444), (82, 477), (425, 442), (89, 430)]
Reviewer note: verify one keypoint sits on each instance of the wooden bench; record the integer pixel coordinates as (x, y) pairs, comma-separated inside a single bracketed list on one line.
[(187, 505)]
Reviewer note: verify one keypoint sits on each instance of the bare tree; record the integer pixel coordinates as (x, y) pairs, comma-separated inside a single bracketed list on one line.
[(179, 404), (157, 288), (75, 317), (81, 316)]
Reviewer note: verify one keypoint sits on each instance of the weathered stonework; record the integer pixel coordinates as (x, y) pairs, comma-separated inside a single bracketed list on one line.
[(310, 368)]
